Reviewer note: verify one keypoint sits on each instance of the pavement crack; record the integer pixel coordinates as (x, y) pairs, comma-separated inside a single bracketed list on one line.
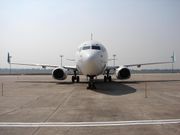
[(59, 106), (20, 107), (66, 99)]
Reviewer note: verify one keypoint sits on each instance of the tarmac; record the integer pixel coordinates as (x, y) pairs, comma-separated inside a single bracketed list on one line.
[(38, 105)]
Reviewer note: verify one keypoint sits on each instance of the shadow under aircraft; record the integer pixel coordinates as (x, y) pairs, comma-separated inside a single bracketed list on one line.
[(114, 88)]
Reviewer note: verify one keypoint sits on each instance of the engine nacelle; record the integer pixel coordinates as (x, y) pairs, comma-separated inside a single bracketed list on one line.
[(123, 73), (59, 74)]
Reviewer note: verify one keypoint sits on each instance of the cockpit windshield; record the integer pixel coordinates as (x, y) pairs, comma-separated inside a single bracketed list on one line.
[(86, 47), (96, 47)]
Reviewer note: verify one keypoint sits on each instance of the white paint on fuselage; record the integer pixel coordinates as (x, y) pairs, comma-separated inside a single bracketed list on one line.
[(91, 61)]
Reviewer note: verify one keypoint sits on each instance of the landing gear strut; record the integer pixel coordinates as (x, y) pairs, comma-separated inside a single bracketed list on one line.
[(107, 77), (91, 84), (75, 77)]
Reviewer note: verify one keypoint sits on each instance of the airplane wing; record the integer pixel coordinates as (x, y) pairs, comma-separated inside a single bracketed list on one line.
[(70, 67), (153, 63), (143, 64), (113, 68), (41, 65), (73, 68), (110, 69)]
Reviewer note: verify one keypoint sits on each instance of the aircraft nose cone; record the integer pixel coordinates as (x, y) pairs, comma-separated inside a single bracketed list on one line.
[(91, 58), (91, 64)]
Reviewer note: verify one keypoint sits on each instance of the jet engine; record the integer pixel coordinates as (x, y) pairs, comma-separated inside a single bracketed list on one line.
[(123, 73), (59, 74)]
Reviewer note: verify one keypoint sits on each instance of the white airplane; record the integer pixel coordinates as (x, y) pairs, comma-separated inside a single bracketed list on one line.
[(91, 61)]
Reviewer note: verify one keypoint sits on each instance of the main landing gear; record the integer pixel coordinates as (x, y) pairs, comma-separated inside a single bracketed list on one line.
[(107, 77), (75, 77)]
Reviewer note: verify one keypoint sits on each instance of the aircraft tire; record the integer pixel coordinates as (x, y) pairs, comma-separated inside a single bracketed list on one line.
[(73, 79), (77, 79), (105, 79), (110, 79)]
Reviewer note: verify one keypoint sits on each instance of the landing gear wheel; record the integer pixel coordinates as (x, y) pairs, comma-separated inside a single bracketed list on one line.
[(91, 86), (73, 79), (77, 79), (110, 79), (105, 79)]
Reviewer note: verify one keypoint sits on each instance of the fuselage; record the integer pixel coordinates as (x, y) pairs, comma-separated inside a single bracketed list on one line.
[(91, 58)]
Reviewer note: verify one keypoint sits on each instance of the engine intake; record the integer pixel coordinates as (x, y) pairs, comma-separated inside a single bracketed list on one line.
[(59, 74), (123, 73)]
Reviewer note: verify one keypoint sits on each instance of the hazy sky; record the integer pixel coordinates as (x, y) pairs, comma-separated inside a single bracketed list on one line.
[(137, 31)]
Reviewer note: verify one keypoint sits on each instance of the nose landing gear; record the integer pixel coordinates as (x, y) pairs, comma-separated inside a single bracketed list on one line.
[(91, 84)]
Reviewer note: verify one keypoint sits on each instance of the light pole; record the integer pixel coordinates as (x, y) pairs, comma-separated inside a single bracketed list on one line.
[(173, 60), (61, 59), (9, 61), (114, 59)]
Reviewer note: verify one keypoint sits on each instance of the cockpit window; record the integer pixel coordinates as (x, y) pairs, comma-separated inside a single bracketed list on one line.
[(96, 47), (86, 47)]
